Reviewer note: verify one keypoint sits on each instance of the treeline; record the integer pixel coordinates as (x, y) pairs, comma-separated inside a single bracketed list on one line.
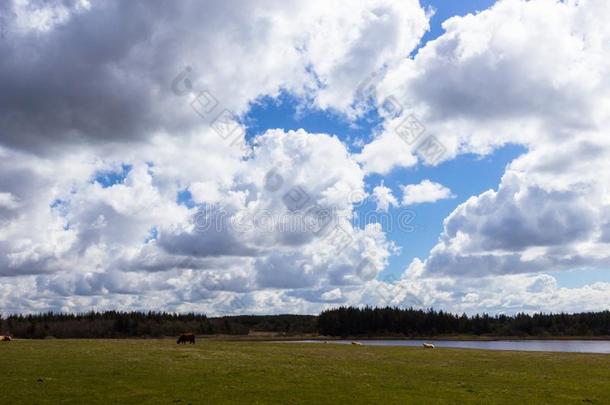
[(344, 321), (349, 321), (114, 324)]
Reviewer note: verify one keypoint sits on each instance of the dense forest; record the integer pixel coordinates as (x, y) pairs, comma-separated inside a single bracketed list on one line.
[(112, 324), (349, 321), (344, 321)]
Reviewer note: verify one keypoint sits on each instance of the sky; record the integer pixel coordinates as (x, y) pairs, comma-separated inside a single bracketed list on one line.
[(217, 157)]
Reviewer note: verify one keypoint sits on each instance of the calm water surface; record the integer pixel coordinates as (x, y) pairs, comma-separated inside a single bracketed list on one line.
[(572, 346)]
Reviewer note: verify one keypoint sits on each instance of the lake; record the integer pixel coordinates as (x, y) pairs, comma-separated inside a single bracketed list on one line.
[(571, 346)]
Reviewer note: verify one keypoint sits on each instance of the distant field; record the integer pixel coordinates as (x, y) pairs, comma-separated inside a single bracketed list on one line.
[(159, 371)]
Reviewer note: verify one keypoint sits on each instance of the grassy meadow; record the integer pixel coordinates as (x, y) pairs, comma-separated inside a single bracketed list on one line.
[(212, 371)]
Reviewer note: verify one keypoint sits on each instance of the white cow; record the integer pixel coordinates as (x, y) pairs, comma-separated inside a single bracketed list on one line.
[(5, 338), (428, 346)]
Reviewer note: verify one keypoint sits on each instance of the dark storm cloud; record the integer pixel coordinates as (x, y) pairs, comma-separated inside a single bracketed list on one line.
[(105, 74)]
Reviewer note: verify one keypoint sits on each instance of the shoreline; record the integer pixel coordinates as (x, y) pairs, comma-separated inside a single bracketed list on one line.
[(283, 338), (406, 338)]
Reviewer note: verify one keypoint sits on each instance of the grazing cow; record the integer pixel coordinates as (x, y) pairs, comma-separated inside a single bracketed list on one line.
[(5, 338), (357, 343), (428, 346), (186, 337)]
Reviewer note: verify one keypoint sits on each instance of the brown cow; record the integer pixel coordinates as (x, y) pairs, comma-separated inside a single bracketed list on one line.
[(186, 337), (5, 338)]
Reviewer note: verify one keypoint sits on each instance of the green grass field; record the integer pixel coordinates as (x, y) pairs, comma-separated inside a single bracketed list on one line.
[(159, 371)]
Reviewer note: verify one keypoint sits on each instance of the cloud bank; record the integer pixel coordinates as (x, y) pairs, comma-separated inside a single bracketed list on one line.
[(126, 180)]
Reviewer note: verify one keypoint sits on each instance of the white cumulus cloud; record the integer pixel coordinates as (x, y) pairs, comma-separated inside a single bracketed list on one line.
[(424, 192)]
